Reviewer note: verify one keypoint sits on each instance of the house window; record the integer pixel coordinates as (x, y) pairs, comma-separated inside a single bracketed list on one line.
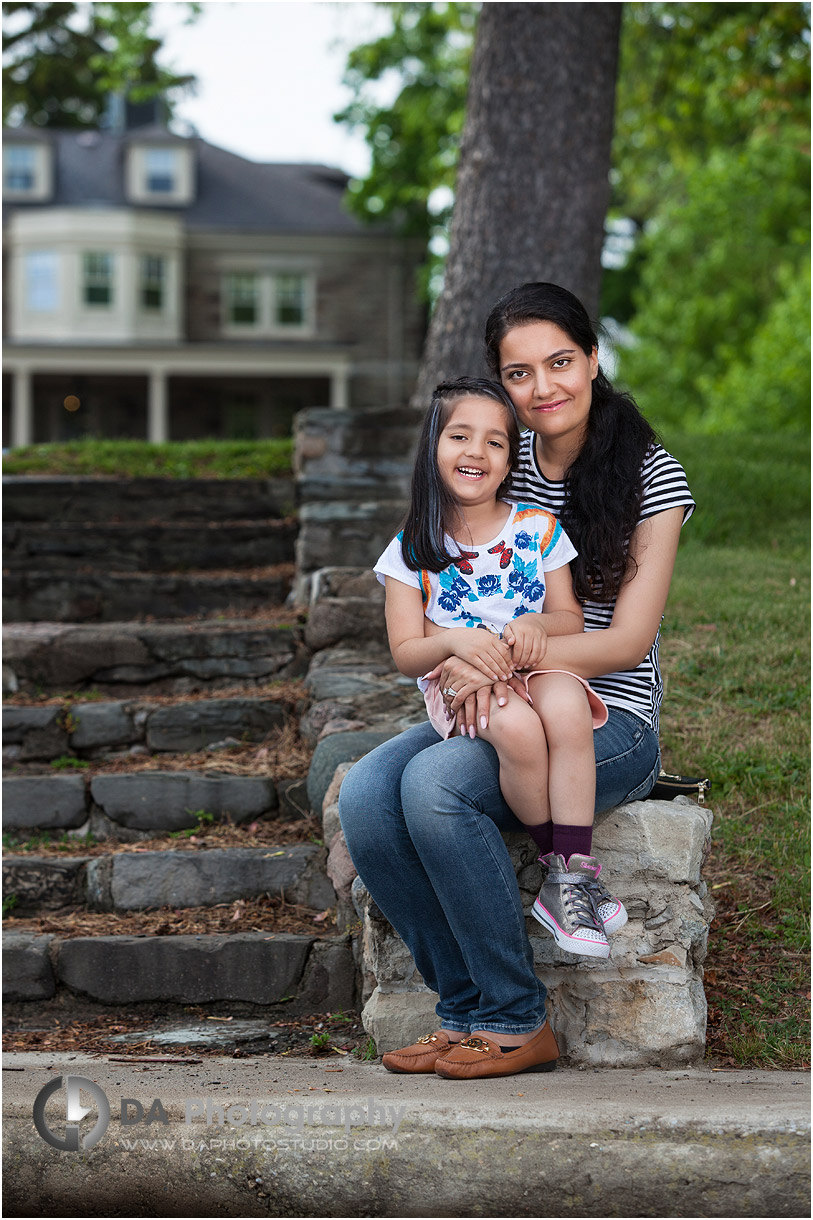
[(41, 281), (97, 279), (161, 168), (289, 300), (19, 168), (153, 282), (242, 300)]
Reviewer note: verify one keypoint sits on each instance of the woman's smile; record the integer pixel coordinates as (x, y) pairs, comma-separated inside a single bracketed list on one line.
[(550, 380)]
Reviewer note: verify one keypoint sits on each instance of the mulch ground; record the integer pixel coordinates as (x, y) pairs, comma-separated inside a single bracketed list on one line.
[(62, 1033), (269, 915)]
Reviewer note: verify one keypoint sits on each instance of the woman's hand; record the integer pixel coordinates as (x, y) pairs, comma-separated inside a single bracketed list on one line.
[(528, 640)]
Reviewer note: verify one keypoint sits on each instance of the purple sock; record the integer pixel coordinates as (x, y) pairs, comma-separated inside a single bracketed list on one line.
[(568, 840), (542, 836)]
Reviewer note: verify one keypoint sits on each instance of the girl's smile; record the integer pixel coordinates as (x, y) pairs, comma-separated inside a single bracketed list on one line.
[(473, 450)]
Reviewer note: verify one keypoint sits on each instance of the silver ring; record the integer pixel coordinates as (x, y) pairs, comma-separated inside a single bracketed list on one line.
[(449, 691)]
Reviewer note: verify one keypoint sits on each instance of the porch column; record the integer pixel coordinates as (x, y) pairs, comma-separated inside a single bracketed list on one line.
[(22, 409), (158, 408), (339, 396)]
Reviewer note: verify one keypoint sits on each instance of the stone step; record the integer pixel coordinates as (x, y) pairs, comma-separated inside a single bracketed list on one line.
[(95, 729), (317, 973), (68, 498), (174, 656), (41, 596), (131, 805), (148, 880), (65, 547)]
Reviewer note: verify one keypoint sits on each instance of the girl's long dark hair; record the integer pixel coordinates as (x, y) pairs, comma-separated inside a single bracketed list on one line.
[(604, 485), (434, 511)]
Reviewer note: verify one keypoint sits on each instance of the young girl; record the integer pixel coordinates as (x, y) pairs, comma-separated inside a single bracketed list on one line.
[(469, 558)]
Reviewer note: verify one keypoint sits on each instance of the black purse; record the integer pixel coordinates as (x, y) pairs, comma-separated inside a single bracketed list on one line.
[(667, 787)]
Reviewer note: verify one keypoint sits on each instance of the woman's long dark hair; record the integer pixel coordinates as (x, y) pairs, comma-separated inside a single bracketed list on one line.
[(434, 511), (604, 485)]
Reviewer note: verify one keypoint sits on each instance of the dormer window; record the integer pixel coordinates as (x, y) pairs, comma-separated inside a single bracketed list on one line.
[(160, 173), (161, 170), (19, 167), (26, 171)]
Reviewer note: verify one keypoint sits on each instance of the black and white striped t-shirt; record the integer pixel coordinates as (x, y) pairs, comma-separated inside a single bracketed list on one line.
[(638, 690)]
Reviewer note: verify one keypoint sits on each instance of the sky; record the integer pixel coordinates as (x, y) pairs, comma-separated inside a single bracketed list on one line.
[(269, 75)]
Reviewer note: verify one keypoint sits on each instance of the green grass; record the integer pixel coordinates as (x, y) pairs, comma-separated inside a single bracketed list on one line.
[(751, 491), (206, 459), (736, 659)]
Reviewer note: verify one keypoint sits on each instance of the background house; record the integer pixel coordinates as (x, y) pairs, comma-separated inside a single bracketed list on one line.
[(174, 290)]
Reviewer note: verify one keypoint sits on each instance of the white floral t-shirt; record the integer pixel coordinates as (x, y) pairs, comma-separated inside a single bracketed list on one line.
[(493, 583)]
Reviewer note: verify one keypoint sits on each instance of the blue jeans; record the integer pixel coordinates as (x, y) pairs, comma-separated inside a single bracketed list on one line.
[(422, 819)]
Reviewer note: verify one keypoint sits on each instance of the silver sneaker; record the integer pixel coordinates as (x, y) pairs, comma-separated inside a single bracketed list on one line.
[(611, 912), (568, 908)]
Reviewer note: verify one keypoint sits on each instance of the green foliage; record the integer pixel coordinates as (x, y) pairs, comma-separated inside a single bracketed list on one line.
[(207, 459), (414, 141), (61, 61), (769, 387), (717, 257), (694, 78), (320, 1042), (66, 762), (711, 162), (9, 903)]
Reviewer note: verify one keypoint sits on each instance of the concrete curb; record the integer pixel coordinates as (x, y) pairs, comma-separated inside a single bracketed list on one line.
[(342, 1138)]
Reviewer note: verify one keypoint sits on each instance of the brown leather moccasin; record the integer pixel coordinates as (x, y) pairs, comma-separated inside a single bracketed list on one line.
[(474, 1058), (421, 1056)]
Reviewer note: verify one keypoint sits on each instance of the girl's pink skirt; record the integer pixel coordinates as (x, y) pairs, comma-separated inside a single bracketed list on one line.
[(443, 724)]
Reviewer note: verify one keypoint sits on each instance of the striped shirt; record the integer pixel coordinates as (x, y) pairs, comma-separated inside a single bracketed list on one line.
[(638, 690)]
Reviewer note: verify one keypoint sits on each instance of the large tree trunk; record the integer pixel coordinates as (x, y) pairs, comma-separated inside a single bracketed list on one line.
[(533, 182)]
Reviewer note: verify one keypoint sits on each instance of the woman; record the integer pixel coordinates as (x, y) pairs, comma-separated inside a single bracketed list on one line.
[(423, 818)]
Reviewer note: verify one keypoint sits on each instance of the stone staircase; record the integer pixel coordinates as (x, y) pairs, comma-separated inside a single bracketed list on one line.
[(116, 734), (91, 550)]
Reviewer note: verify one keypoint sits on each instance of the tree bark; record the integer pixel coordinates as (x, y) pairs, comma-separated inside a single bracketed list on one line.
[(533, 181)]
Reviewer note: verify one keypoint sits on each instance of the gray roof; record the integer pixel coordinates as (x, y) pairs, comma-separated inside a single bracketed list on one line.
[(231, 191)]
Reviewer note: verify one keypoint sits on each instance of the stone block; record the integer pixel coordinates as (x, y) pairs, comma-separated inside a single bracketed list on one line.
[(338, 748), (195, 725), (44, 802), (627, 1018), (102, 724), (168, 800), (355, 620), (38, 731), (204, 878), (340, 868), (43, 883), (660, 839), (329, 979), (27, 971), (251, 967), (397, 1018)]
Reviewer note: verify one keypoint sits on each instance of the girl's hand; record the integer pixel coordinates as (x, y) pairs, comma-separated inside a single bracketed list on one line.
[(482, 649), (528, 640)]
